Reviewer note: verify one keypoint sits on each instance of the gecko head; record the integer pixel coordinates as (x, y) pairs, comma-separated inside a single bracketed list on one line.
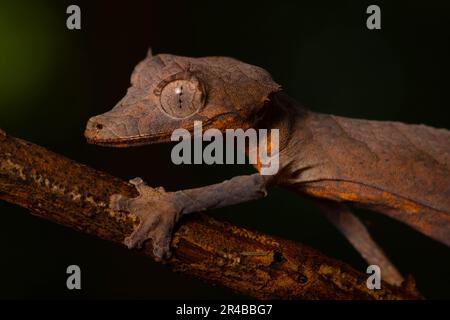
[(169, 92)]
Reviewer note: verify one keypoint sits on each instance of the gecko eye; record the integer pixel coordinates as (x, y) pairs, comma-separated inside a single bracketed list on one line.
[(182, 98)]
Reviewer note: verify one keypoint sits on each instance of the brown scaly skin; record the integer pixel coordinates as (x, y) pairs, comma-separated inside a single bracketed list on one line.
[(397, 169)]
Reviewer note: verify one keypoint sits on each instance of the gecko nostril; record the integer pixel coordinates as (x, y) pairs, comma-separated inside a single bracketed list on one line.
[(99, 126)]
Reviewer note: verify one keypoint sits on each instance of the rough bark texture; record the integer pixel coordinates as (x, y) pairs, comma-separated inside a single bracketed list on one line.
[(251, 263)]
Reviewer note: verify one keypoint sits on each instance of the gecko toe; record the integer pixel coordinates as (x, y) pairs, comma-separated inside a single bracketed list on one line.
[(137, 181), (146, 191), (119, 202), (162, 252), (161, 241)]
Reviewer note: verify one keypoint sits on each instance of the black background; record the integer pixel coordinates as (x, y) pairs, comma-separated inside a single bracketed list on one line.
[(53, 79)]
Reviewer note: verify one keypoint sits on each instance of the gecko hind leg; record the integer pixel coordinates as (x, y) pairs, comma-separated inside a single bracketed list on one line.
[(157, 210), (359, 237)]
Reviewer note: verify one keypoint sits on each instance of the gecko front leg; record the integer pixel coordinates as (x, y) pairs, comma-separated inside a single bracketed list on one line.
[(158, 211)]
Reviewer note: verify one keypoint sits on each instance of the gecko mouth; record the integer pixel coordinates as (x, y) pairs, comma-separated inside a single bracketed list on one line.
[(130, 141), (94, 130)]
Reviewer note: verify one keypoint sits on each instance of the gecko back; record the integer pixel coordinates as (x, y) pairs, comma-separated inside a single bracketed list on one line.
[(399, 169)]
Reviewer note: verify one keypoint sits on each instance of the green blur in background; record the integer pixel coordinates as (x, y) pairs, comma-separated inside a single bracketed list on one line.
[(53, 79)]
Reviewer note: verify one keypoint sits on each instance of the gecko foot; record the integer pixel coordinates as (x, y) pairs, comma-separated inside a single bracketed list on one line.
[(158, 212)]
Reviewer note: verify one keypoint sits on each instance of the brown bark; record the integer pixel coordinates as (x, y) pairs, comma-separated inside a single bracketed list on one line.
[(251, 263)]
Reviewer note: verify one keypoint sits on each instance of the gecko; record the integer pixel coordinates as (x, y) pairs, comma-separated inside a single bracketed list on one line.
[(397, 169)]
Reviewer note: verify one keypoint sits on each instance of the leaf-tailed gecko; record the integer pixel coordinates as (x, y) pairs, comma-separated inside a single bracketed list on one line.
[(400, 170)]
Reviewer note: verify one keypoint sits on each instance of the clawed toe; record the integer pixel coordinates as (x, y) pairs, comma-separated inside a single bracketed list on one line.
[(119, 202)]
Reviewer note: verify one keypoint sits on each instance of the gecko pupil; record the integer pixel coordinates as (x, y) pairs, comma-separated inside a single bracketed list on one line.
[(180, 92), (182, 98)]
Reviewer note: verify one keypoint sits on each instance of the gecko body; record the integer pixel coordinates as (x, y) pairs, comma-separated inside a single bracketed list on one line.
[(397, 169)]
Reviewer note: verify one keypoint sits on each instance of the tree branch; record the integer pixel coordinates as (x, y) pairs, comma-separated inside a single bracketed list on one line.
[(251, 263)]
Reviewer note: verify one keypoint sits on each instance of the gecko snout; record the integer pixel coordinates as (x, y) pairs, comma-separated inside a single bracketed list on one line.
[(96, 130), (109, 129)]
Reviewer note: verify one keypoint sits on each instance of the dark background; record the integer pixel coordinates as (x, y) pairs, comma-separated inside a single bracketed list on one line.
[(53, 79)]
